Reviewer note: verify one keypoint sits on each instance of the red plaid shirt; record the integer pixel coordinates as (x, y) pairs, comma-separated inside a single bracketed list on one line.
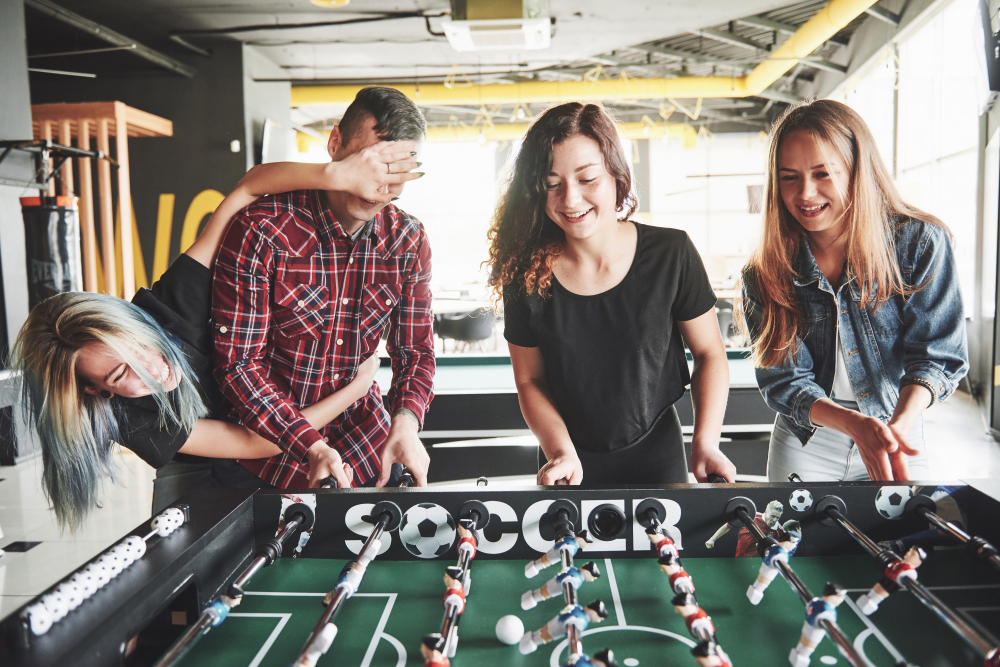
[(298, 305)]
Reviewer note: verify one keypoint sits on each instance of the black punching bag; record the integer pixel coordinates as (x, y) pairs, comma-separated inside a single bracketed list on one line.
[(52, 247)]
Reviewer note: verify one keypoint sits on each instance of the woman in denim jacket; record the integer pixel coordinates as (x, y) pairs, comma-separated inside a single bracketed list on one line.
[(852, 304)]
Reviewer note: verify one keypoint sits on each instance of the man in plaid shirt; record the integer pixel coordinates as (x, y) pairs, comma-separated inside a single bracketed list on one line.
[(305, 284)]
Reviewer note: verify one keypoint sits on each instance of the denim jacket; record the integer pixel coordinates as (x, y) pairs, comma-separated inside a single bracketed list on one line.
[(917, 340)]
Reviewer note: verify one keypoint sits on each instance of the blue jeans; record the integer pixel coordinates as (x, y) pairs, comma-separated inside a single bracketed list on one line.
[(831, 456)]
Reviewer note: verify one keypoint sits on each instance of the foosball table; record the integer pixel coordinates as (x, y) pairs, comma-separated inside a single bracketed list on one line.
[(870, 574)]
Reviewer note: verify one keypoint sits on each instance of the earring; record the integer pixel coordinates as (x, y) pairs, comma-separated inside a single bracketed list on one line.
[(106, 394)]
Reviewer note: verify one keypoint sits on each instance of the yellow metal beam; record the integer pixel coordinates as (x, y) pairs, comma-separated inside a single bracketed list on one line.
[(817, 30), (511, 131)]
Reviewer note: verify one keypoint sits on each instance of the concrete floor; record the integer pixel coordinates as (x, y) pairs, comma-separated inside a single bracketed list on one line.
[(961, 450)]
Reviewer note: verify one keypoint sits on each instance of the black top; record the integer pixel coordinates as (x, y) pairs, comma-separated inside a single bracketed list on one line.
[(615, 361), (181, 302)]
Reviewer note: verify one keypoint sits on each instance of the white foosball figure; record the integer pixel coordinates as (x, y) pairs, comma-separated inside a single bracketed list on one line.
[(818, 610)]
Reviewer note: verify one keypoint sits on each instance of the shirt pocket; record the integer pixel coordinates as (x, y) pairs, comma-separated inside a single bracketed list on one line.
[(817, 306), (299, 310), (377, 301)]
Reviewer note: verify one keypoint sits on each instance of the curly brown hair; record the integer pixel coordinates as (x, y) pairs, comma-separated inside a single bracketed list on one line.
[(524, 242)]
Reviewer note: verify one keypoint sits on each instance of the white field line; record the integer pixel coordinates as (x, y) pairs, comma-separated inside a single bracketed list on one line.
[(271, 638), (619, 609)]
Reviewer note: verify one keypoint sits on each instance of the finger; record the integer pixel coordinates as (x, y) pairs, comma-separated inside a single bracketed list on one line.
[(888, 440), (882, 468), (383, 477), (900, 466), (551, 473), (419, 474), (396, 167), (349, 474), (389, 148), (905, 447), (402, 177)]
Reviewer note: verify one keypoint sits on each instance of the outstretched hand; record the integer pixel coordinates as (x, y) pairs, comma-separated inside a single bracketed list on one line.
[(883, 449), (377, 173)]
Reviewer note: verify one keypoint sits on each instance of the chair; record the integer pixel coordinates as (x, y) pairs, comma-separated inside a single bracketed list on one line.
[(724, 311), (469, 328)]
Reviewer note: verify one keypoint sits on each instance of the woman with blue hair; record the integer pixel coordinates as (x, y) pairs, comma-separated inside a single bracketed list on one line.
[(97, 370)]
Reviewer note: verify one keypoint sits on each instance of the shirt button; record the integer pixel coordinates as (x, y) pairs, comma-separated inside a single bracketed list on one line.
[(340, 341), (336, 376), (345, 301), (326, 439), (388, 302), (302, 304), (223, 329), (350, 261)]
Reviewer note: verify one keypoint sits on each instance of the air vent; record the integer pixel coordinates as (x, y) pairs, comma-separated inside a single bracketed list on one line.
[(506, 34)]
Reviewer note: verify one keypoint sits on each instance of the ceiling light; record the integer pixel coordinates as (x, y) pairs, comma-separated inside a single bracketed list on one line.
[(330, 3)]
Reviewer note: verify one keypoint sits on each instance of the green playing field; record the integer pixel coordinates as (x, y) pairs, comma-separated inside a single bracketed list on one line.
[(401, 601)]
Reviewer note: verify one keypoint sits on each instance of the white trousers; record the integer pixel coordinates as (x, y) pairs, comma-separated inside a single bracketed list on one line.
[(831, 456)]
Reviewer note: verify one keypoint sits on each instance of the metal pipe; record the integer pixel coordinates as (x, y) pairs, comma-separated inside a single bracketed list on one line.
[(978, 546), (340, 593), (110, 36), (260, 561), (187, 640), (816, 31), (210, 614), (943, 611), (837, 635)]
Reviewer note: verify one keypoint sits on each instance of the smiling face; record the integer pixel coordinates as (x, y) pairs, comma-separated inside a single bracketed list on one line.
[(814, 182), (581, 193), (101, 368), (350, 210)]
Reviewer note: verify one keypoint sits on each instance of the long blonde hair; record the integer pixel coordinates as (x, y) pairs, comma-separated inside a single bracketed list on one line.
[(874, 209), (76, 429)]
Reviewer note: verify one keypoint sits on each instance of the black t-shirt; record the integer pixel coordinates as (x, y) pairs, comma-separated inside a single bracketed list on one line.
[(615, 361), (181, 302)]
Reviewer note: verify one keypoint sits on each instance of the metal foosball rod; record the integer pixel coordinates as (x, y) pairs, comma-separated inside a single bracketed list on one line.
[(699, 623), (977, 547), (739, 509), (297, 517), (573, 619), (831, 509), (385, 516)]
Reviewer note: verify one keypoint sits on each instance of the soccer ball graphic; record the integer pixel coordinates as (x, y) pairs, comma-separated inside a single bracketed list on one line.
[(800, 500), (890, 501), (427, 530)]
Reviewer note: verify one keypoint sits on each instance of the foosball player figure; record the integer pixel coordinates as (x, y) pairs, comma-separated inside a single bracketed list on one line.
[(768, 522), (780, 550), (350, 578), (575, 615), (570, 543), (818, 609), (576, 576), (889, 583), (662, 542), (680, 580), (696, 618), (709, 654), (603, 658), (432, 648)]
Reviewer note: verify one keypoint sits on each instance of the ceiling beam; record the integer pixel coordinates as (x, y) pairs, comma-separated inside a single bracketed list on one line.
[(883, 14), (730, 38), (824, 64), (765, 23), (108, 35), (688, 56)]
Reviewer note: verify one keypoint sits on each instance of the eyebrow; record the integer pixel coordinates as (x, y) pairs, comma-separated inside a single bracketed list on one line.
[(107, 378), (579, 169), (817, 166)]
